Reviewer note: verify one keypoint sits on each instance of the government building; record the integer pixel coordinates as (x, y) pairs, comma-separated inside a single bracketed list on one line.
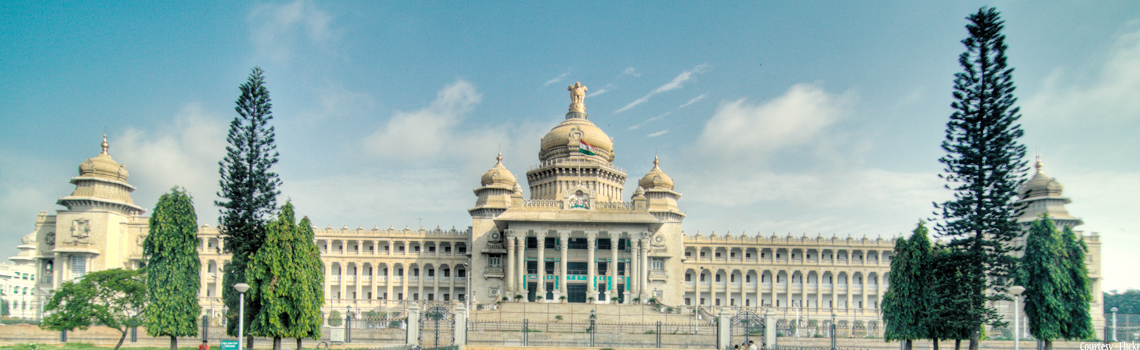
[(571, 238)]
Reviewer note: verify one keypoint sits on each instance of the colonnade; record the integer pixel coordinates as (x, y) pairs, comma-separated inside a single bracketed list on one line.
[(636, 268)]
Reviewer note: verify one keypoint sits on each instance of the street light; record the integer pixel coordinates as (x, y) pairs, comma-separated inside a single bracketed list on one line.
[(1114, 310), (1016, 291), (241, 288)]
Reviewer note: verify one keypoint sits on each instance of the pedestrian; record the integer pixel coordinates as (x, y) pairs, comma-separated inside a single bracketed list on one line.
[(204, 345), (751, 345)]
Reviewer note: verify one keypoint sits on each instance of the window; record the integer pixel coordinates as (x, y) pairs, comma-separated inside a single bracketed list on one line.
[(688, 301), (688, 254), (532, 242), (576, 268), (748, 278), (702, 254), (577, 243), (732, 255), (549, 265), (623, 243), (461, 273), (718, 254), (748, 255), (764, 279), (688, 277), (431, 272), (603, 267), (532, 266), (415, 296), (495, 261), (777, 255), (460, 297), (446, 297), (78, 266), (702, 279), (621, 268), (718, 277), (778, 279), (431, 297), (550, 242), (605, 244), (400, 296), (446, 273), (416, 272), (747, 302), (658, 264)]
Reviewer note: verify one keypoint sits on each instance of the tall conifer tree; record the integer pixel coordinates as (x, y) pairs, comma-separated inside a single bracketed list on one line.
[(984, 168), (173, 268), (1046, 281), (248, 189)]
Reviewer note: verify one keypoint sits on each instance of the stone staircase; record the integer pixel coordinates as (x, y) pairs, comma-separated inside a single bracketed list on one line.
[(575, 312)]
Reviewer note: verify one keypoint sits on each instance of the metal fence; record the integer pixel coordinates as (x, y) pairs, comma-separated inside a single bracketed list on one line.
[(591, 334), (822, 329)]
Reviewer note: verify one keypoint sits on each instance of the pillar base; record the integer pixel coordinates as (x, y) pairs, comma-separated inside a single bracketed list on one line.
[(628, 298)]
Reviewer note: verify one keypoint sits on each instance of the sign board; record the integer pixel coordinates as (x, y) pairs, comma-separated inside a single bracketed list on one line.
[(336, 334), (229, 345)]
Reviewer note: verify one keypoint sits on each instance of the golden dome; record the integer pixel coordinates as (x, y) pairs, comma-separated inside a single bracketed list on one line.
[(1041, 185), (102, 166), (499, 175), (656, 179), (566, 135)]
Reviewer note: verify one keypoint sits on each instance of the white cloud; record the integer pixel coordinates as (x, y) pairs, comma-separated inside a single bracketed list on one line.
[(676, 83), (603, 90), (639, 125), (278, 29), (425, 132), (659, 133), (745, 131), (1111, 98), (556, 79), (694, 100), (631, 72), (184, 153)]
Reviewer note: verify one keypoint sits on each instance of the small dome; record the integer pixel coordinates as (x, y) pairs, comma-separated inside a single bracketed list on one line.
[(499, 175), (102, 166), (577, 127), (1041, 185), (656, 179)]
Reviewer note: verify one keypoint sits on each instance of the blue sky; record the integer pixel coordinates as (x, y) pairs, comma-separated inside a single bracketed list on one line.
[(804, 118)]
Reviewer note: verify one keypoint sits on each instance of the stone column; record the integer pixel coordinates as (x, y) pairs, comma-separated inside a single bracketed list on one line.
[(435, 281), (631, 270), (413, 324), (541, 291), (644, 268), (697, 285), (454, 274), (521, 246), (510, 265), (724, 337), (612, 285), (388, 282), (564, 237), (591, 265), (460, 328)]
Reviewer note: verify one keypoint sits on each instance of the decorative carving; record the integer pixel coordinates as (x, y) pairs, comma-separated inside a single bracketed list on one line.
[(577, 95), (50, 238), (140, 239), (80, 229), (579, 200)]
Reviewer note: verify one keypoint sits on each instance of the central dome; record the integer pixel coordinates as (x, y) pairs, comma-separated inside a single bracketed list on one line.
[(562, 140)]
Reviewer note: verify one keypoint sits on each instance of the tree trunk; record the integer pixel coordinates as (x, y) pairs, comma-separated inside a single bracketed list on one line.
[(173, 343), (1048, 345), (957, 344), (276, 343), (976, 338), (121, 337), (935, 344), (909, 345), (298, 343), (249, 341)]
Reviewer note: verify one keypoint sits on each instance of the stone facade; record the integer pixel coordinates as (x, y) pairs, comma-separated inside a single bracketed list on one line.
[(573, 239)]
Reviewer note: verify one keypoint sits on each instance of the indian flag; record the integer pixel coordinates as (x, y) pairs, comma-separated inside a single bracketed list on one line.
[(586, 148)]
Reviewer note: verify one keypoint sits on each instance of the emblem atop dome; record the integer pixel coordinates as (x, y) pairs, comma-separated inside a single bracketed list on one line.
[(577, 94)]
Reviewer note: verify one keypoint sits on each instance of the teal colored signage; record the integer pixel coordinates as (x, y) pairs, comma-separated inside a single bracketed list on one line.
[(229, 345)]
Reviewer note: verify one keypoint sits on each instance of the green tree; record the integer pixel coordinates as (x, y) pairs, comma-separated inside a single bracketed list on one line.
[(114, 298), (1078, 295), (280, 279), (311, 290), (984, 168), (335, 319), (1126, 303), (1045, 280), (248, 190), (905, 302), (173, 268)]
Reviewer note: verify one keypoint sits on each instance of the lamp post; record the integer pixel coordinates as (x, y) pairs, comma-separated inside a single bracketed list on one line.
[(1016, 291), (1114, 310), (241, 288)]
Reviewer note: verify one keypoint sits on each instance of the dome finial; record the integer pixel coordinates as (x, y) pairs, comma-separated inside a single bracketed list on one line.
[(104, 144), (577, 94), (1039, 164), (655, 162), (499, 159)]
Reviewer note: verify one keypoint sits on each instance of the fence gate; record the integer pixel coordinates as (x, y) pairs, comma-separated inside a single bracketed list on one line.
[(437, 328), (745, 326)]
